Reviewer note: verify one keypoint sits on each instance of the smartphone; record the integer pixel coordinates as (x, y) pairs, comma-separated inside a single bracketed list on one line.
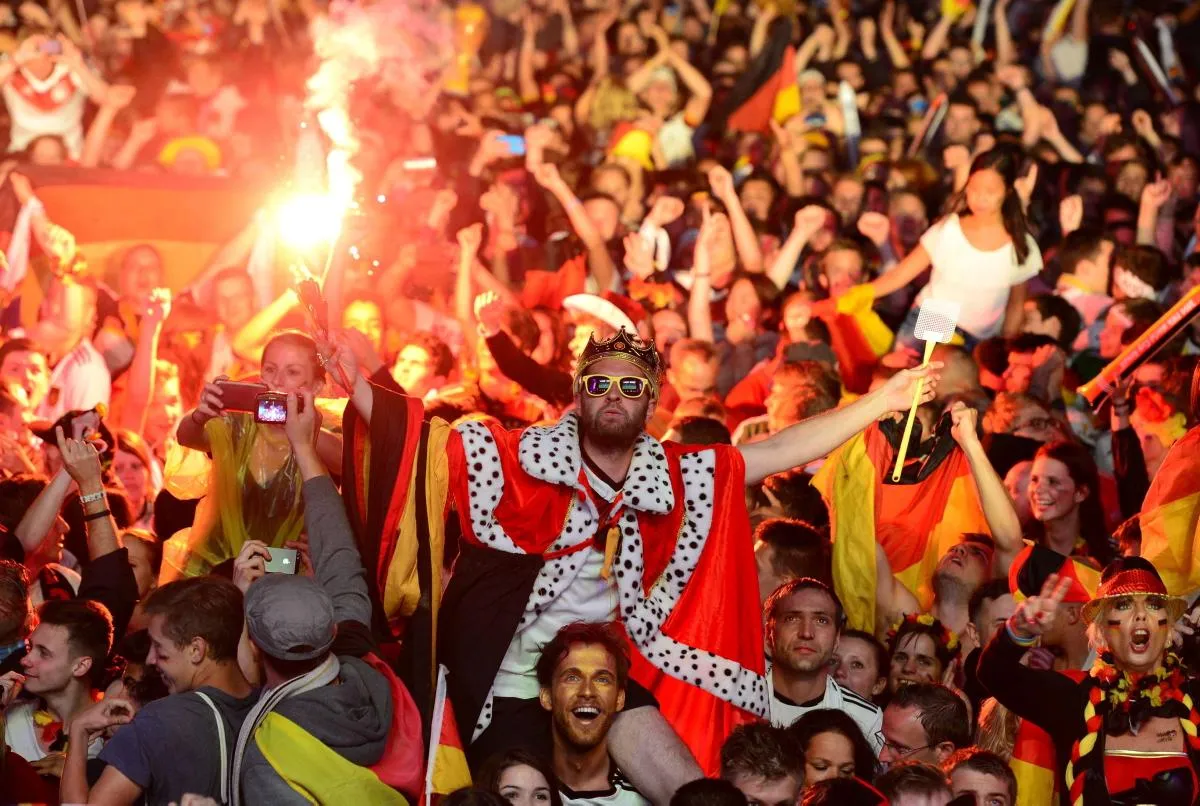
[(271, 407), (515, 143), (52, 47), (283, 561), (237, 396)]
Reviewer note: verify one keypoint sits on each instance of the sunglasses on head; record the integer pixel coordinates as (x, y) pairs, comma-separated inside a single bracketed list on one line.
[(630, 386)]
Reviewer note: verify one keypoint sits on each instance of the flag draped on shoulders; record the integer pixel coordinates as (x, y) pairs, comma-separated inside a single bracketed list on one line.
[(915, 520), (1169, 517), (767, 90), (396, 483)]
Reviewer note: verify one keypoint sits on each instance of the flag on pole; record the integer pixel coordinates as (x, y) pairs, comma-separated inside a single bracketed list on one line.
[(446, 770)]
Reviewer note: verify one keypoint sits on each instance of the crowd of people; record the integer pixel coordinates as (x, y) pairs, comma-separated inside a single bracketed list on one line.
[(588, 439)]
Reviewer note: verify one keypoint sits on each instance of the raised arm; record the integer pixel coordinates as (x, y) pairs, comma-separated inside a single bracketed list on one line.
[(807, 222), (72, 56), (117, 98), (815, 437), (887, 32), (39, 518), (250, 341), (937, 39), (1047, 698), (908, 270), (140, 389), (700, 298), (997, 506), (1006, 49), (745, 239), (599, 260), (335, 559), (526, 78)]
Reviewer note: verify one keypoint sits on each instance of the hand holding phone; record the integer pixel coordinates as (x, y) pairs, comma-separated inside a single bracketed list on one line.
[(283, 561)]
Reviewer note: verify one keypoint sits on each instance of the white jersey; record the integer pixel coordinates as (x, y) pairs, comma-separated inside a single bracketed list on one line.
[(619, 793), (865, 713), (50, 106)]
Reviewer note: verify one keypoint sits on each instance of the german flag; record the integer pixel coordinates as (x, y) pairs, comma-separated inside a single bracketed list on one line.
[(1169, 517), (447, 769), (185, 218), (915, 520), (859, 337), (767, 90)]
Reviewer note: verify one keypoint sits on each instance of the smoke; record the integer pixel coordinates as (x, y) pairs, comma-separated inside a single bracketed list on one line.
[(400, 45)]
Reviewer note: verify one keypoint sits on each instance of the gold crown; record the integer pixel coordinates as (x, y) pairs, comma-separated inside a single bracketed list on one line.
[(624, 346)]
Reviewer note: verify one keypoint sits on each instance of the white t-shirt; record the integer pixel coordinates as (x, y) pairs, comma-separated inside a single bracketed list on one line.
[(52, 106), (21, 733), (978, 281), (867, 715), (589, 598)]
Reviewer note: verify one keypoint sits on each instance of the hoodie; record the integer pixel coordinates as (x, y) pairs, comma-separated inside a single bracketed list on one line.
[(350, 717)]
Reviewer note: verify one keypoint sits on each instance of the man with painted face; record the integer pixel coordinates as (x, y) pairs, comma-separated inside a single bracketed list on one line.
[(587, 519), (582, 673), (1127, 731)]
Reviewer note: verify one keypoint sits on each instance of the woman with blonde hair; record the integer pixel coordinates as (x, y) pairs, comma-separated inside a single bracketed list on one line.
[(1128, 732)]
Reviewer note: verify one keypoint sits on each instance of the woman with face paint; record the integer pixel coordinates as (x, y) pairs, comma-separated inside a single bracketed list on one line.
[(1128, 731)]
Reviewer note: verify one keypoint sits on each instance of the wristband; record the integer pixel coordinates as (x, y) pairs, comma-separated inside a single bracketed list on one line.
[(90, 497), (104, 513), (1016, 639)]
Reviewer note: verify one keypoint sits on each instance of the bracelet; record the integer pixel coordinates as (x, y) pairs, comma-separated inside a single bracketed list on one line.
[(104, 513), (90, 497), (1016, 639)]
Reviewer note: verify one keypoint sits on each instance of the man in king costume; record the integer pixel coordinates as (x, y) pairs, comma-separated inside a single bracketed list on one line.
[(587, 519)]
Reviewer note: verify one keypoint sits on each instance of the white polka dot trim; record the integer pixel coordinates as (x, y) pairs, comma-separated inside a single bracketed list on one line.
[(551, 453), (485, 485), (485, 716)]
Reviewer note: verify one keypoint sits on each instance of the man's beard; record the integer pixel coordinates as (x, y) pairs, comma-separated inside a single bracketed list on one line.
[(614, 435)]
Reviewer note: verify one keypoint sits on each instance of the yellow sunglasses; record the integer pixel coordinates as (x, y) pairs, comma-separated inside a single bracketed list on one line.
[(630, 386)]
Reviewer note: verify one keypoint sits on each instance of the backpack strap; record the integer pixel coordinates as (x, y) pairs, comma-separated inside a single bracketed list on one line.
[(223, 743)]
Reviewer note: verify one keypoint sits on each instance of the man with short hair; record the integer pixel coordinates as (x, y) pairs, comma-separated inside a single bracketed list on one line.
[(182, 743), (982, 776), (912, 783), (582, 673), (67, 653), (765, 762), (804, 621), (787, 549), (924, 722)]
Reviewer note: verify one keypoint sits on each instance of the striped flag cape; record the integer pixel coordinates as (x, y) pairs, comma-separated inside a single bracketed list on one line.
[(1169, 517), (446, 770)]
